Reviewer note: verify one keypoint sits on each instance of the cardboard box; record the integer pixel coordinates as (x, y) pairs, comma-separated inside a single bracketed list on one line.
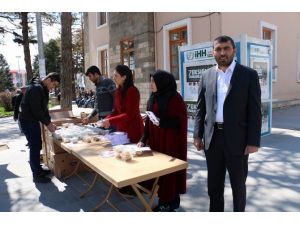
[(64, 164), (58, 117)]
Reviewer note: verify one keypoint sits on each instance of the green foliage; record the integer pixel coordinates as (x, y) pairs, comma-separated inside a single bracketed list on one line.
[(6, 100), (52, 58), (35, 66), (4, 113), (5, 77)]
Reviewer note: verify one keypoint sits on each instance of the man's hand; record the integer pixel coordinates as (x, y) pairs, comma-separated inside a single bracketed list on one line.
[(85, 120), (198, 144), (250, 149), (51, 127)]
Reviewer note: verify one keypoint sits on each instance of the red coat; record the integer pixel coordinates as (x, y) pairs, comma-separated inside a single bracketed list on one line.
[(127, 117), (172, 142)]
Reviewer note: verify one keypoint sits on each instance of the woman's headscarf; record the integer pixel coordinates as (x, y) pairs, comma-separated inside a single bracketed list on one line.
[(166, 88)]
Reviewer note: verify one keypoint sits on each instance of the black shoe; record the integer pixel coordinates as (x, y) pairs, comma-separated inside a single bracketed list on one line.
[(127, 192), (41, 179)]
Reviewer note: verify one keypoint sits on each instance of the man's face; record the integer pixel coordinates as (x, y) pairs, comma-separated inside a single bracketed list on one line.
[(224, 53), (93, 77)]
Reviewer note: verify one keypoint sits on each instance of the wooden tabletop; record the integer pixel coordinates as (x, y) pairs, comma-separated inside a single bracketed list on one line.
[(120, 173)]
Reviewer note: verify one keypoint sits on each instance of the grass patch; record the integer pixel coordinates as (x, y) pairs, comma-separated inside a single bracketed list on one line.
[(3, 113)]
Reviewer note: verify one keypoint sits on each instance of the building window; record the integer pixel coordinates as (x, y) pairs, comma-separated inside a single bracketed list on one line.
[(101, 18), (177, 37), (104, 63), (103, 60), (127, 53), (269, 32)]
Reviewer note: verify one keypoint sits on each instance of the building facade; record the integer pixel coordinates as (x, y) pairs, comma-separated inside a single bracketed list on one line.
[(149, 41), (18, 78)]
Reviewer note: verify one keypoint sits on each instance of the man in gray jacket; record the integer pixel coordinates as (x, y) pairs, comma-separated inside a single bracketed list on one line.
[(105, 91)]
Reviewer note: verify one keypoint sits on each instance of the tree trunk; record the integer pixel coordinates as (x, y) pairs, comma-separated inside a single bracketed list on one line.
[(27, 57), (82, 36), (67, 61)]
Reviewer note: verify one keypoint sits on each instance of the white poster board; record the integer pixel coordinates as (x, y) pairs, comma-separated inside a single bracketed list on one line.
[(194, 60), (260, 58)]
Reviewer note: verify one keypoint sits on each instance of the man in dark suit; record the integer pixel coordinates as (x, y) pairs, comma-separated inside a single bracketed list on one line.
[(17, 103), (228, 123)]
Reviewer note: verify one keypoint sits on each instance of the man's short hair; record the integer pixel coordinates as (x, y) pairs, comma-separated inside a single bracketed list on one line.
[(93, 70), (53, 76), (224, 39)]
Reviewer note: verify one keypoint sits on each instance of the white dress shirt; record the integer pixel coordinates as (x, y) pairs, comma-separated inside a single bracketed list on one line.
[(223, 82)]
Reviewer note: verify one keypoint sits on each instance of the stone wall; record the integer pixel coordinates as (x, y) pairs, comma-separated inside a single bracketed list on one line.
[(140, 27)]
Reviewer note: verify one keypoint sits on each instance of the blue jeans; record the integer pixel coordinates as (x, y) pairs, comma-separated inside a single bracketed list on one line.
[(32, 131)]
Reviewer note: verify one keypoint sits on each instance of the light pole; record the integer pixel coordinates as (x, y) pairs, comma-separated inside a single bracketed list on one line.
[(18, 75), (39, 29)]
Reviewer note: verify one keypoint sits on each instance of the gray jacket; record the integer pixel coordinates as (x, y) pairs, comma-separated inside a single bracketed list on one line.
[(104, 101)]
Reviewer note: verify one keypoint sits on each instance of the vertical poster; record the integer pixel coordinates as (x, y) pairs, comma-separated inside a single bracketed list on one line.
[(261, 65), (191, 110), (265, 117), (259, 56), (194, 60)]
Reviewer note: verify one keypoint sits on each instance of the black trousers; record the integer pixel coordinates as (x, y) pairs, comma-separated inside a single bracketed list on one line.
[(218, 159), (32, 131)]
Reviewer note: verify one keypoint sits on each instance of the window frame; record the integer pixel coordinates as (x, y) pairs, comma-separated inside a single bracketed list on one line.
[(100, 60), (97, 19), (274, 40), (166, 48), (172, 43), (127, 52)]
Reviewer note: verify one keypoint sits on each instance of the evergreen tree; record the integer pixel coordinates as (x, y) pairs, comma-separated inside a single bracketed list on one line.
[(35, 66), (52, 56), (5, 76)]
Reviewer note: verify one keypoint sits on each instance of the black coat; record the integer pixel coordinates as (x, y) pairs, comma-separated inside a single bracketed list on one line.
[(241, 111), (34, 105)]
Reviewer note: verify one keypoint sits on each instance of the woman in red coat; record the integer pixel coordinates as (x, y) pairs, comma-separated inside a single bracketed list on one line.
[(126, 115), (169, 136)]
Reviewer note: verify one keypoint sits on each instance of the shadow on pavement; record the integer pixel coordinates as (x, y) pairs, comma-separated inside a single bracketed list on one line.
[(5, 174)]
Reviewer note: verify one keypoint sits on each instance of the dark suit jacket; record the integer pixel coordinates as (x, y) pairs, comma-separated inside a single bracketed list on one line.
[(241, 111), (18, 100)]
